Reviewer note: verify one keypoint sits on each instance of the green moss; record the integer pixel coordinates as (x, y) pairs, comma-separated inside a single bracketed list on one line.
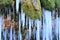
[(58, 12), (58, 6), (30, 10), (57, 3), (48, 4), (4, 2)]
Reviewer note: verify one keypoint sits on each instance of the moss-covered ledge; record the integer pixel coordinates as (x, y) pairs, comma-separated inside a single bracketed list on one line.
[(30, 10), (57, 2), (48, 4), (5, 2)]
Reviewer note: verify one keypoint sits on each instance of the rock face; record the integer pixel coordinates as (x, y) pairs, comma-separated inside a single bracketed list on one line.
[(32, 8), (48, 4)]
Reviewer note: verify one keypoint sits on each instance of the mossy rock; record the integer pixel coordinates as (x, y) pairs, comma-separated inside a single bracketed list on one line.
[(30, 10), (5, 2), (57, 3), (48, 4)]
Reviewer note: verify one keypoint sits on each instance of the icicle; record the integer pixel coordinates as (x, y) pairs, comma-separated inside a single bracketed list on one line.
[(27, 35), (48, 24), (27, 22), (38, 30), (14, 35), (0, 28), (19, 27), (53, 24), (56, 23), (44, 26), (29, 28), (17, 5), (23, 18), (3, 26), (35, 30), (59, 27), (5, 35), (11, 32), (0, 25), (20, 35), (4, 31), (32, 23)]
